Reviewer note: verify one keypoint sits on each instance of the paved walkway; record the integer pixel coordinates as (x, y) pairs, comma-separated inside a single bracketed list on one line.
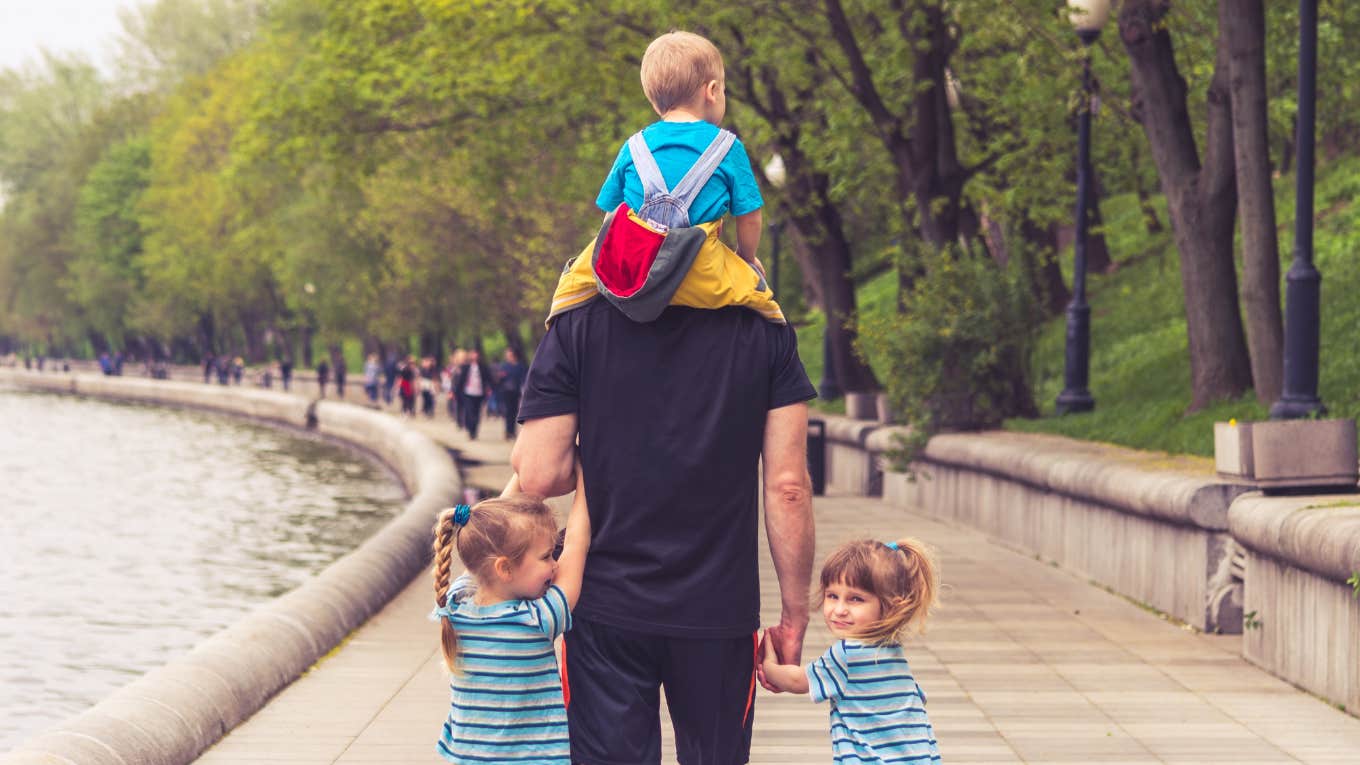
[(1026, 663)]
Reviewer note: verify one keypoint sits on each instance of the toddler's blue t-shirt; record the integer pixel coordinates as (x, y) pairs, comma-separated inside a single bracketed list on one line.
[(676, 147)]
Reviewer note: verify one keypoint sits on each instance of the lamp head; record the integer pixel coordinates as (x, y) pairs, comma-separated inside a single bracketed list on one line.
[(1088, 17), (774, 171)]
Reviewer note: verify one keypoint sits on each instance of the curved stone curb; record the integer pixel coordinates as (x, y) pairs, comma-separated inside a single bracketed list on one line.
[(1320, 534), (172, 714)]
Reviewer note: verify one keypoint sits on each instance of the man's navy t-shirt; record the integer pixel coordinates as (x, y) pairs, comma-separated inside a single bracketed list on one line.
[(671, 417)]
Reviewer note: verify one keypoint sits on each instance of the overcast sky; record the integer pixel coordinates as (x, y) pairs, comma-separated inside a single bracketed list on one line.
[(85, 26)]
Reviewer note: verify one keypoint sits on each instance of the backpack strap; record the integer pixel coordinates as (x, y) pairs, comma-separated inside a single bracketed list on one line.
[(653, 182), (689, 187)]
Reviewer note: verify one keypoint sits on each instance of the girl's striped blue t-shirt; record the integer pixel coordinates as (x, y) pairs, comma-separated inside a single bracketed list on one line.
[(878, 711), (507, 692)]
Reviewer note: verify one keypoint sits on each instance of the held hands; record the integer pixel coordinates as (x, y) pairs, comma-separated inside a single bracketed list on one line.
[(774, 674)]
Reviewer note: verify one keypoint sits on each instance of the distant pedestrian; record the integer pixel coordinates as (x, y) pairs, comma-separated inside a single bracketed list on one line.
[(427, 386), (209, 364), (338, 364), (391, 368), (371, 371), (406, 387), (456, 361), (474, 381), (323, 376), (238, 369), (286, 372), (510, 381)]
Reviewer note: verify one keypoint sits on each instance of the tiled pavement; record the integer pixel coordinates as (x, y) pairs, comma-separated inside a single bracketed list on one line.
[(1024, 663)]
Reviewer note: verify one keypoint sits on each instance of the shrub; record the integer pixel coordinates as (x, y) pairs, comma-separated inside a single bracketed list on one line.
[(957, 351)]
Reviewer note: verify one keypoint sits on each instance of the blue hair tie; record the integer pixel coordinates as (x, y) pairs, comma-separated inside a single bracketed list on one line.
[(890, 545), (461, 513)]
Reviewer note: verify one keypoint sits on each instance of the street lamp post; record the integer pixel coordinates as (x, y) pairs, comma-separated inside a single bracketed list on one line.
[(1088, 17), (1303, 283), (776, 175)]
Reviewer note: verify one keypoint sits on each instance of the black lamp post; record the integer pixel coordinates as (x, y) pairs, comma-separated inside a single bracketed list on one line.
[(776, 230), (776, 175), (1088, 16), (1303, 283)]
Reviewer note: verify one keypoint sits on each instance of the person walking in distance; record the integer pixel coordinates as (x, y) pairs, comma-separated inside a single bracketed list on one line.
[(510, 381), (474, 380)]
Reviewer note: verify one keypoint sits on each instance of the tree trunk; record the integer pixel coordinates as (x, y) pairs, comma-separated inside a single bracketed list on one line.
[(808, 205), (514, 340), (832, 257), (1245, 31), (1041, 264), (206, 334), (1202, 199)]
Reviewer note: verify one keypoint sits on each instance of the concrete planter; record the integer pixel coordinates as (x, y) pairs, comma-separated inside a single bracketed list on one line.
[(1232, 449), (861, 406), (1288, 454)]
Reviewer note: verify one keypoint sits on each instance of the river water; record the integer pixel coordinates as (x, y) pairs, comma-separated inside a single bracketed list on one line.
[(129, 533)]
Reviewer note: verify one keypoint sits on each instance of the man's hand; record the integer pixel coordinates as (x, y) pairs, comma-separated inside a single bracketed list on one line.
[(783, 642), (776, 674)]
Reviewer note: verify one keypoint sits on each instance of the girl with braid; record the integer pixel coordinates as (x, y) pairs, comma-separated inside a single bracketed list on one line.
[(498, 623), (874, 595)]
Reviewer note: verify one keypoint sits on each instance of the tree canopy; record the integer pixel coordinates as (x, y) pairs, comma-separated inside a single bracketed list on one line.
[(258, 175)]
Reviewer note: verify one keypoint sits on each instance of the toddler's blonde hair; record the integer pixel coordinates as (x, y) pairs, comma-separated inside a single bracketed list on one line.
[(676, 66), (906, 581), (502, 527)]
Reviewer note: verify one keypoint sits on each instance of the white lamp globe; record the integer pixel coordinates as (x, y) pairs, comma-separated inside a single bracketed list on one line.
[(774, 171), (1088, 15)]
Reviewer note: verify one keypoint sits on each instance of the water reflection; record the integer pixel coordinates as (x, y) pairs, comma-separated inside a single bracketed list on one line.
[(129, 533)]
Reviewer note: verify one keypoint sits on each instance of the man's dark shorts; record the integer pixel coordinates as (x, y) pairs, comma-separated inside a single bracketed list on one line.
[(613, 706)]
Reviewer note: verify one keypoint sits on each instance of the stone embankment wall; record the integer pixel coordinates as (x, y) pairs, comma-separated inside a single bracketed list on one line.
[(1161, 530), (172, 714), (1304, 619)]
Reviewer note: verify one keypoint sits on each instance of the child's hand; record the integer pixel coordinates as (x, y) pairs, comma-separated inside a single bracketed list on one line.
[(776, 676)]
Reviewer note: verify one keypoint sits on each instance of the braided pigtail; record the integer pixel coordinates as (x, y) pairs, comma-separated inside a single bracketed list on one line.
[(444, 534)]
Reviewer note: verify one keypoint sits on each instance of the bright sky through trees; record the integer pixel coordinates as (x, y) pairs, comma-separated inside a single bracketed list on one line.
[(65, 26)]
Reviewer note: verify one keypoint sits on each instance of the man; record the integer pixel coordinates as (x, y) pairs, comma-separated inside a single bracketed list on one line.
[(473, 382), (673, 417), (511, 376)]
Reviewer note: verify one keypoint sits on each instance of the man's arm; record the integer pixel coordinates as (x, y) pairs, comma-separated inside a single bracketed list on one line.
[(545, 455), (789, 526)]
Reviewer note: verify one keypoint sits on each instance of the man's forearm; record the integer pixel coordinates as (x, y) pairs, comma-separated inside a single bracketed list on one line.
[(792, 535)]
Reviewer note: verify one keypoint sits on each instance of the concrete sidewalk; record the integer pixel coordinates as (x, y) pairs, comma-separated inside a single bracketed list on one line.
[(1025, 663)]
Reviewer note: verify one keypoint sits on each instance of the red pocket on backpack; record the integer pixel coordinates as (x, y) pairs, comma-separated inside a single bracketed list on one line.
[(627, 253)]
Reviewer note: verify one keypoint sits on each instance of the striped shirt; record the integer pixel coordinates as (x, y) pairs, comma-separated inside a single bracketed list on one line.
[(878, 711), (507, 693)]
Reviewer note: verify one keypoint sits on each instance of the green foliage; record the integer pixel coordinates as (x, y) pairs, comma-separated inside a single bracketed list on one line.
[(956, 352), (1354, 582), (1250, 621)]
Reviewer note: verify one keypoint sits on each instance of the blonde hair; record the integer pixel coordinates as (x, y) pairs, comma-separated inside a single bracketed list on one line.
[(906, 581), (676, 66), (502, 527)]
